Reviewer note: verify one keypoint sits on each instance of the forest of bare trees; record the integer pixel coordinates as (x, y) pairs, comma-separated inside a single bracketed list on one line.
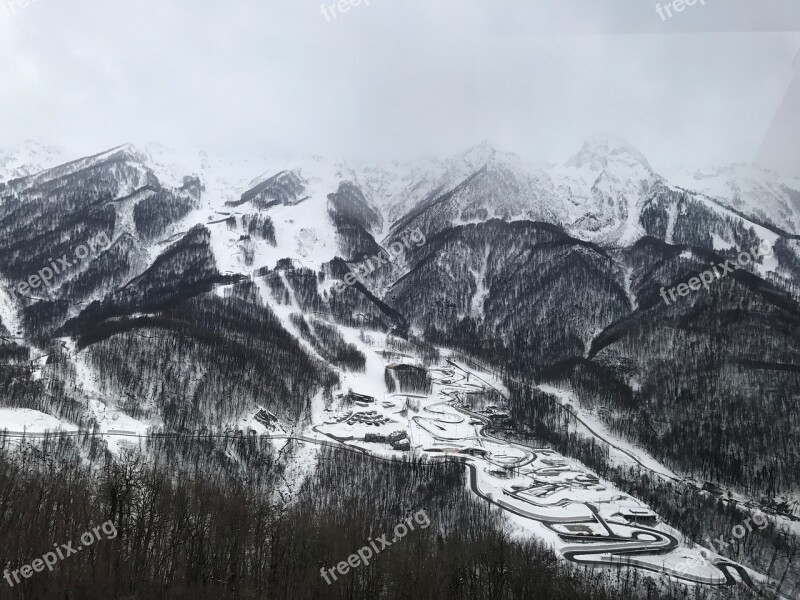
[(202, 518)]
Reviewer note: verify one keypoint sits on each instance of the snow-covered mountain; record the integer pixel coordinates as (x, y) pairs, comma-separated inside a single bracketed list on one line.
[(606, 193), (589, 243), (758, 193), (260, 295), (605, 186), (598, 195), (29, 158)]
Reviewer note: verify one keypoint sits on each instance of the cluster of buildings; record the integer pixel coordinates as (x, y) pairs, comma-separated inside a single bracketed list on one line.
[(398, 440), (369, 417)]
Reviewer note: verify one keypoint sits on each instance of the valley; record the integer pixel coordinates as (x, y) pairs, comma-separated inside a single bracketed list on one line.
[(217, 313)]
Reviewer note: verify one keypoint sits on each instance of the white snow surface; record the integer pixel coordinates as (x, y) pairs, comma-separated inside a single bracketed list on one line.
[(750, 190), (31, 421), (29, 158), (622, 451), (9, 312), (545, 487)]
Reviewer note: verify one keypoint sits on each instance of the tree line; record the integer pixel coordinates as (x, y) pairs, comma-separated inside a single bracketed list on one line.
[(203, 518)]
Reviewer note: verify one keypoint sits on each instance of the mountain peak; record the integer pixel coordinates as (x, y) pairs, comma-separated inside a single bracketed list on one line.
[(127, 150), (598, 149), (28, 158), (477, 156)]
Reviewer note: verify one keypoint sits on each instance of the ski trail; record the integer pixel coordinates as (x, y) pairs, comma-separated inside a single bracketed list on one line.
[(284, 313), (481, 291), (627, 280), (673, 217), (599, 430), (9, 313)]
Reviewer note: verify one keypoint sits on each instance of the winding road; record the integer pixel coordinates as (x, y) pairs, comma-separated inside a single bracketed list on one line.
[(611, 548)]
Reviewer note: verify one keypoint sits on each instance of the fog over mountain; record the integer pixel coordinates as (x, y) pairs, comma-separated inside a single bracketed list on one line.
[(211, 307), (395, 80), (406, 301)]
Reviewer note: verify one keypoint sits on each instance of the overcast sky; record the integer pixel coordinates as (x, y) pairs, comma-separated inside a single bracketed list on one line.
[(713, 84)]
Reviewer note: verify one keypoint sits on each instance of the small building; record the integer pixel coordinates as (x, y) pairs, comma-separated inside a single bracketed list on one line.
[(397, 436), (501, 473), (579, 529), (402, 445), (475, 452), (639, 516), (266, 418), (405, 367), (359, 398)]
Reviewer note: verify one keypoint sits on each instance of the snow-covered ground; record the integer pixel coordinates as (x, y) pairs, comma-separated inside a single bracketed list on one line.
[(622, 451), (110, 420), (29, 158), (31, 421), (749, 189), (546, 495), (9, 313)]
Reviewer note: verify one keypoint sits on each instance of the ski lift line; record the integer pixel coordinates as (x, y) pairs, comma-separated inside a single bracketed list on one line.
[(577, 417)]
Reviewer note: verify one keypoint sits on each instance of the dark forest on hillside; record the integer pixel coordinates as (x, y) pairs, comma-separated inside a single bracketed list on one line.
[(196, 519)]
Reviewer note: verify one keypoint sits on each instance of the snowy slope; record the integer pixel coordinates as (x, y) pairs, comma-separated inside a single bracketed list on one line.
[(31, 421), (602, 187), (411, 184), (126, 153), (303, 231), (9, 312), (752, 191), (29, 158)]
